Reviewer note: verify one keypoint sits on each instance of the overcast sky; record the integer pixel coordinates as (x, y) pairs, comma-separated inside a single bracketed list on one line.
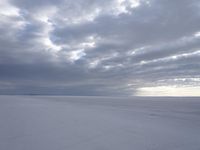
[(100, 47)]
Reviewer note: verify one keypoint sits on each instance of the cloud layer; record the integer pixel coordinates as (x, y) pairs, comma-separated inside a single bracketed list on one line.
[(86, 47)]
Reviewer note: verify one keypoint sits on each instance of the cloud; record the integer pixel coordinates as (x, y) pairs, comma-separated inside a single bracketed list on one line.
[(97, 47)]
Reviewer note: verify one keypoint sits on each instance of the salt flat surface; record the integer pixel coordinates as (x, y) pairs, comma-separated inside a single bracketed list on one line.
[(99, 123)]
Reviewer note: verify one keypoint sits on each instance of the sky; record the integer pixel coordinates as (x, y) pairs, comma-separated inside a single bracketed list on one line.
[(100, 47)]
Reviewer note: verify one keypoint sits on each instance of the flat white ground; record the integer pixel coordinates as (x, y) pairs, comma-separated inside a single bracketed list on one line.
[(99, 123)]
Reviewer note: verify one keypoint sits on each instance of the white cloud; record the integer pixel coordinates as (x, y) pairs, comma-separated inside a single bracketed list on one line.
[(7, 9), (75, 55)]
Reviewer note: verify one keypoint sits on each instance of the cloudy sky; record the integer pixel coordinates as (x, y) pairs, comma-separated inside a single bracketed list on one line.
[(100, 47)]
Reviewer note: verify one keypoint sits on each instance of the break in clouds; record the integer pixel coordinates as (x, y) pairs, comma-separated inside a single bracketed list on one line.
[(99, 47)]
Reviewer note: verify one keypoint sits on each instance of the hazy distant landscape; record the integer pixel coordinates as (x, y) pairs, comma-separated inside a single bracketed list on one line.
[(119, 74), (99, 123)]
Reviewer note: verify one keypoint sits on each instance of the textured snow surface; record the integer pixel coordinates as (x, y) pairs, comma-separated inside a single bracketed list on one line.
[(99, 123)]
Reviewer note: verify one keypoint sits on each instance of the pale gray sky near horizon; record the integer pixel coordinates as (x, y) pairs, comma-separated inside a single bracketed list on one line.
[(100, 47)]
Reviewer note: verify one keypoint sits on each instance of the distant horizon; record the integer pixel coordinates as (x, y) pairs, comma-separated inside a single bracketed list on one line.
[(109, 96)]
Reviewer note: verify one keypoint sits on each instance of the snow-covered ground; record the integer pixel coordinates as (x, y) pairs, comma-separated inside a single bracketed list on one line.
[(99, 123)]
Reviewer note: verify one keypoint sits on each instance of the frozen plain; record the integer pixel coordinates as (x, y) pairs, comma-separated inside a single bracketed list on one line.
[(99, 123)]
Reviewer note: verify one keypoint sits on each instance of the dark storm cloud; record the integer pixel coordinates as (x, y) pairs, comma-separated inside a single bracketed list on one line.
[(97, 47)]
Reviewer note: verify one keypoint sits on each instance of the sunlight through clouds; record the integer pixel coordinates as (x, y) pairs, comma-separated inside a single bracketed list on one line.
[(168, 91)]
